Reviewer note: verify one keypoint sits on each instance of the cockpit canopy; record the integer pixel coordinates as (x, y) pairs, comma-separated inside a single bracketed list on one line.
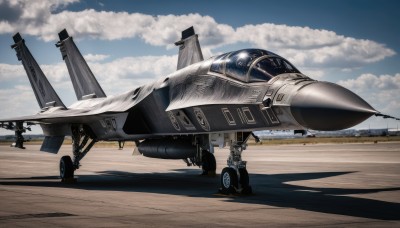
[(251, 65)]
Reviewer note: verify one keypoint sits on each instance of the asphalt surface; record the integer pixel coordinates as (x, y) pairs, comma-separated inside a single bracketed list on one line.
[(323, 185)]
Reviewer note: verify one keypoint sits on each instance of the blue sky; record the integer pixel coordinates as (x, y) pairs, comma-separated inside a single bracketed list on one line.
[(127, 43)]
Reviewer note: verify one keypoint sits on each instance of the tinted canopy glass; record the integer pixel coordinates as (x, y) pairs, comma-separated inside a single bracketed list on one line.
[(269, 67), (239, 62), (262, 65), (218, 65)]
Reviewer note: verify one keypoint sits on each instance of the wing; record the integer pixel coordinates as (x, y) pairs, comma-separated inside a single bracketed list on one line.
[(53, 116)]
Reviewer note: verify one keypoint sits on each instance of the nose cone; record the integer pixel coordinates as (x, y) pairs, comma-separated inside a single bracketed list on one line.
[(327, 107)]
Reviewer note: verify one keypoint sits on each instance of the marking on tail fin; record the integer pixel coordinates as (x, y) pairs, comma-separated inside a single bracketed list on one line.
[(42, 88), (82, 77)]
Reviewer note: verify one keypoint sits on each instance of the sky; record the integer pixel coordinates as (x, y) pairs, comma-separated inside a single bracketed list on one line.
[(354, 43)]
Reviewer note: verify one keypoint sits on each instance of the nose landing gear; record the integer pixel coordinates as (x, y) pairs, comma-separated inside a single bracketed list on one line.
[(235, 178)]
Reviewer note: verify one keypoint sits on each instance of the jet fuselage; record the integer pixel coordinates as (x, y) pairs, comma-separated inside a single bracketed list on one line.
[(184, 115), (211, 96)]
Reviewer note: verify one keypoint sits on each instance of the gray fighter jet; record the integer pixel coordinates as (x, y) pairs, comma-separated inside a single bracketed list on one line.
[(184, 115)]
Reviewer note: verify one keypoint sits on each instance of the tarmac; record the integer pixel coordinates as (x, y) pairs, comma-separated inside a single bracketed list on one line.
[(320, 185)]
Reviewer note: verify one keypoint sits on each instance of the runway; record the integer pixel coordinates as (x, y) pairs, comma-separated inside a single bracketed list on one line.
[(322, 185)]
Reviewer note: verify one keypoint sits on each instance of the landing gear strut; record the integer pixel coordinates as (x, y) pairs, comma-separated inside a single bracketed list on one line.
[(205, 155), (81, 135), (121, 144), (235, 178), (19, 139)]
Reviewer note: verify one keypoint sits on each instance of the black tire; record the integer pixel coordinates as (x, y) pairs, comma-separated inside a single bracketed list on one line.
[(244, 177), (209, 165), (66, 168), (244, 182), (229, 180)]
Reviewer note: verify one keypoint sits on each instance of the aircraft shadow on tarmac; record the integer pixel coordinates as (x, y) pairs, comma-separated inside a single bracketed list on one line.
[(270, 190)]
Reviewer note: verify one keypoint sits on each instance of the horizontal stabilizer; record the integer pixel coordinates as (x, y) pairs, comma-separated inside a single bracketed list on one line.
[(52, 144), (82, 77), (189, 49), (44, 92)]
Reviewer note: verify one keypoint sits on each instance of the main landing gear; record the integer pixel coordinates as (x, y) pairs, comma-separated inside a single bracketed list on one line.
[(82, 141), (66, 168), (209, 165), (19, 138), (235, 178), (204, 156), (121, 144)]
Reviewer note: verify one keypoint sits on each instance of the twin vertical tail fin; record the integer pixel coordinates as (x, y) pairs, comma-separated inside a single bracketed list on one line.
[(83, 80), (44, 92), (189, 49)]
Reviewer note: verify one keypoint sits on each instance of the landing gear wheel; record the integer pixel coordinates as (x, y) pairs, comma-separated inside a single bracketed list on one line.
[(229, 181), (209, 165), (244, 181), (244, 177), (66, 168)]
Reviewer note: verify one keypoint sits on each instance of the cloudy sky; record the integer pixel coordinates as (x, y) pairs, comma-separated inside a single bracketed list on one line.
[(128, 43)]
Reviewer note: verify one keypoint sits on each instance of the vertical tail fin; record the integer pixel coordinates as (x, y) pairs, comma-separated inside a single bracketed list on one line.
[(83, 80), (44, 92), (189, 49)]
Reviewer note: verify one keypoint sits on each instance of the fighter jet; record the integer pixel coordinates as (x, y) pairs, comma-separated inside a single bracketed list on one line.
[(184, 115)]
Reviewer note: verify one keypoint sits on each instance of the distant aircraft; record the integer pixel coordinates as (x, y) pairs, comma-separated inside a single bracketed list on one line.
[(184, 115)]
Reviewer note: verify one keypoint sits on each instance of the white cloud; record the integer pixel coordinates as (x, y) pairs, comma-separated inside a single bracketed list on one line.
[(380, 91), (303, 46), (313, 73), (165, 30), (17, 99), (55, 73), (95, 57), (11, 72), (367, 82), (127, 73), (115, 77), (283, 36)]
